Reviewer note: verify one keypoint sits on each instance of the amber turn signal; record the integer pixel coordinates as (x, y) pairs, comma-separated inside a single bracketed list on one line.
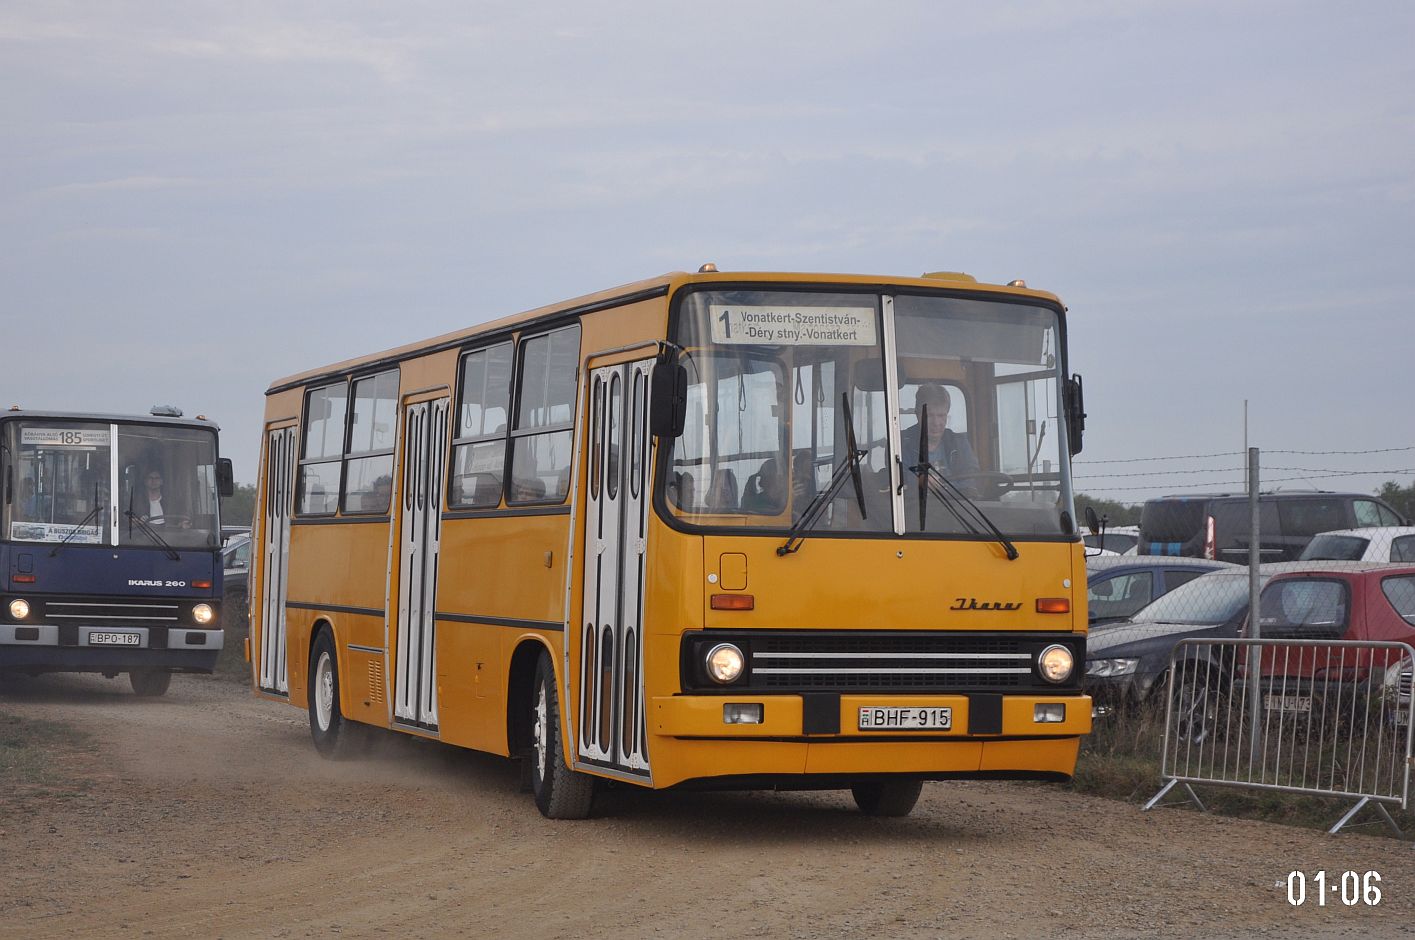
[(733, 601), (1053, 605)]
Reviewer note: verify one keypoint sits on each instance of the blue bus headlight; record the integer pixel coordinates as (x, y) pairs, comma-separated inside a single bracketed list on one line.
[(19, 608), (203, 614)]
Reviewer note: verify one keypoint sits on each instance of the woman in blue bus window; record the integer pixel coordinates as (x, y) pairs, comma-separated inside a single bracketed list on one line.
[(156, 513)]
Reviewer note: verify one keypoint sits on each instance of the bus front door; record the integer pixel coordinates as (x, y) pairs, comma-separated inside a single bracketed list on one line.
[(611, 724), (420, 496), (280, 459)]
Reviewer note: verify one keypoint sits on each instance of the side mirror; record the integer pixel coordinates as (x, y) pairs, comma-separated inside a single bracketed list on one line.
[(1075, 413), (668, 399), (1093, 522), (225, 477)]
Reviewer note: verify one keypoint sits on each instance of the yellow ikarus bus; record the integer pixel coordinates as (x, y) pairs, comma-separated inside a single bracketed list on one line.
[(719, 530)]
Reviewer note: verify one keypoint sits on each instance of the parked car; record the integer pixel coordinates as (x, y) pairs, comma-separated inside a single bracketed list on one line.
[(1128, 661), (236, 565), (1118, 586), (1333, 601), (1374, 543), (229, 532), (1121, 539), (1217, 525)]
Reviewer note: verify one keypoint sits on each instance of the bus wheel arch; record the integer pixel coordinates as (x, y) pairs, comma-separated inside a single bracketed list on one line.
[(520, 687)]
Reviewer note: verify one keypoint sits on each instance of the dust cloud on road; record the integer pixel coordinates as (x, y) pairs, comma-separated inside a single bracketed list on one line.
[(207, 813)]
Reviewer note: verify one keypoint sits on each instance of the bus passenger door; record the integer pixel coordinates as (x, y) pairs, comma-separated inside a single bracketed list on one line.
[(611, 720), (420, 495), (280, 459)]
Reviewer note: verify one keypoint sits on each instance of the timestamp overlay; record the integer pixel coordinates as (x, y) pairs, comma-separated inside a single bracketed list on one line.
[(1352, 888)]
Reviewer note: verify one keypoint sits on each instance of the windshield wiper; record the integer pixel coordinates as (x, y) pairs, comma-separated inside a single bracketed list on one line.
[(965, 501), (932, 480), (75, 530), (849, 467), (151, 532)]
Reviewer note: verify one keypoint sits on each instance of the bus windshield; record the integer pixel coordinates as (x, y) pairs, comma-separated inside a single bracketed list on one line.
[(65, 477), (770, 374)]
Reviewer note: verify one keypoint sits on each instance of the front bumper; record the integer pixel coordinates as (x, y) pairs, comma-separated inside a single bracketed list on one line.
[(809, 717), (693, 746), (73, 648)]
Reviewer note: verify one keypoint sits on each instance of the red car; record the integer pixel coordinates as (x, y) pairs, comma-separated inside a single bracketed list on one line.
[(1332, 601)]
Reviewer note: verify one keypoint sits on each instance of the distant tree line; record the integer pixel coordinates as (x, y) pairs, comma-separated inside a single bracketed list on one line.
[(1401, 498), (239, 508), (1115, 513)]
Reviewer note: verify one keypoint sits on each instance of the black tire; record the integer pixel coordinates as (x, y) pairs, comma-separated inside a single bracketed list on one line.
[(560, 793), (335, 736), (887, 797), (1196, 702), (150, 683)]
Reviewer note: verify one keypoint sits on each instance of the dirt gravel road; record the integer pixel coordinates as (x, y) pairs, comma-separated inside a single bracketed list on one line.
[(207, 814)]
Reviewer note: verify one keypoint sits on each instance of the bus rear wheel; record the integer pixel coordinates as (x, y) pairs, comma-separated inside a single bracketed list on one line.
[(334, 735), (887, 797), (150, 683), (561, 793)]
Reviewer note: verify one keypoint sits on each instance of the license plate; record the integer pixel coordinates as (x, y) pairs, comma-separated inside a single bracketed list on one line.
[(1287, 703), (888, 718), (114, 639)]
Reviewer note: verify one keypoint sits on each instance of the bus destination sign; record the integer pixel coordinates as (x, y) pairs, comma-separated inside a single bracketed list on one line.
[(792, 326), (64, 437)]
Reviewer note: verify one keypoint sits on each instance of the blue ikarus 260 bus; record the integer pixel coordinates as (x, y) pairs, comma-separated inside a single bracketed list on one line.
[(110, 544)]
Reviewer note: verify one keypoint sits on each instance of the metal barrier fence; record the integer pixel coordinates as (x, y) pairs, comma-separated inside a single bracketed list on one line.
[(1327, 718)]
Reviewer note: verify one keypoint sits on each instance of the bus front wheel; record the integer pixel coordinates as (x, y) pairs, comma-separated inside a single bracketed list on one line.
[(887, 797), (561, 793), (150, 683), (334, 735)]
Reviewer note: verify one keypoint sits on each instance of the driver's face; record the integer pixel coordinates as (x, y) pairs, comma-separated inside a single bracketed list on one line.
[(938, 421)]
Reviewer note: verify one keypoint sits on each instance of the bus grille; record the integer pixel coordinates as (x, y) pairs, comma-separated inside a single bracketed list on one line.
[(809, 661), (109, 611)]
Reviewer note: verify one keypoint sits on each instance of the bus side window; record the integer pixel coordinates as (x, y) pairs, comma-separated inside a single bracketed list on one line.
[(368, 465), (543, 436), (321, 459), (479, 447)]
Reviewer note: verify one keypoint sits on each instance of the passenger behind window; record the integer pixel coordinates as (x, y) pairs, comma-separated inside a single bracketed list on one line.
[(724, 491), (681, 491), (764, 490)]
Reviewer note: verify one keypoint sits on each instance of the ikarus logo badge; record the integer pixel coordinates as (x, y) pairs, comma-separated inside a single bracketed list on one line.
[(972, 603)]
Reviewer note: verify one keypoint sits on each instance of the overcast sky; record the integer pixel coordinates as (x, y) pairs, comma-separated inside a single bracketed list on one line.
[(196, 199)]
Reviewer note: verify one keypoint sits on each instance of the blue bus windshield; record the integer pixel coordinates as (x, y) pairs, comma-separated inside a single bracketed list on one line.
[(96, 483)]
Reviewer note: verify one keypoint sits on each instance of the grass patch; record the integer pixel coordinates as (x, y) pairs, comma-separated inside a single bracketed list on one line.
[(39, 758), (1120, 760)]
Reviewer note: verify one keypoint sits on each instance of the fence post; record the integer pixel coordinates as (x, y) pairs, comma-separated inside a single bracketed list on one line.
[(1255, 559)]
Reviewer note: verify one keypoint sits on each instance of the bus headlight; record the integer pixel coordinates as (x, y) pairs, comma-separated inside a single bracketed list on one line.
[(1055, 663), (203, 614), (724, 663), (19, 608)]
